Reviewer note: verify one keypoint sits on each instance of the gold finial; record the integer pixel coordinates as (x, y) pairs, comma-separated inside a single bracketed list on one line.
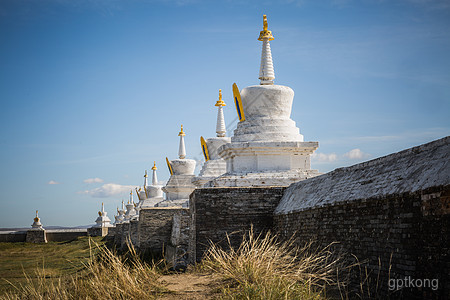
[(99, 213), (181, 132), (266, 33), (154, 166), (37, 217), (220, 101), (145, 174)]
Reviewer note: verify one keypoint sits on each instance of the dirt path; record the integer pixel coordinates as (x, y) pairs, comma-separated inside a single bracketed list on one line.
[(190, 286)]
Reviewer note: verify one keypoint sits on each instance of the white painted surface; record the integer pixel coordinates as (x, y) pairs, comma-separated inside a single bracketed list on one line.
[(183, 166), (266, 71), (220, 125)]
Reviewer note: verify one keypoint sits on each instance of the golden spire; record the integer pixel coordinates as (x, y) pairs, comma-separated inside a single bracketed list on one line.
[(145, 174), (265, 34), (154, 166), (220, 101), (37, 217), (181, 132)]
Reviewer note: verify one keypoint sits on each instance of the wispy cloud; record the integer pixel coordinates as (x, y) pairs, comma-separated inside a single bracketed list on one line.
[(356, 154), (93, 180), (53, 182), (323, 157), (108, 190)]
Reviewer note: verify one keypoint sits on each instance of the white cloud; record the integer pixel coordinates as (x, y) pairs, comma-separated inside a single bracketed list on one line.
[(356, 154), (53, 182), (93, 180), (108, 190), (322, 157)]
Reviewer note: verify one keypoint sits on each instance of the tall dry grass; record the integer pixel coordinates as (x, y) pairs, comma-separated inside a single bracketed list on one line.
[(263, 268), (106, 276)]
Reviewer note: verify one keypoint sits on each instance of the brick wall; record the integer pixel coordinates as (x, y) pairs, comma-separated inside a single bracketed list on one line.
[(62, 236), (216, 212), (155, 227), (13, 237), (408, 232)]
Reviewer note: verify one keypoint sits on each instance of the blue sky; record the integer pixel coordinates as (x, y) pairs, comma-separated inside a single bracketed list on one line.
[(92, 92)]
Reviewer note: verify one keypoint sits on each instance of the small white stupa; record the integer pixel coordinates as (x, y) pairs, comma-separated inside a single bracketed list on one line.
[(131, 211), (103, 219), (179, 186), (214, 165), (267, 148), (37, 223), (154, 193), (120, 214)]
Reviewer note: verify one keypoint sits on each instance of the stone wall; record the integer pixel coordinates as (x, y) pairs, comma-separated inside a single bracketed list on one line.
[(216, 212), (392, 213), (36, 236), (13, 237), (396, 236), (122, 235), (65, 234), (155, 227)]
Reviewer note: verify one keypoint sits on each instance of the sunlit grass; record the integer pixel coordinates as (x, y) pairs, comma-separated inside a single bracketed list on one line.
[(104, 276), (263, 268)]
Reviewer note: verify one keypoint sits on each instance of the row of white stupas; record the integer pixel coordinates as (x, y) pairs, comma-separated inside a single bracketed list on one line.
[(266, 149)]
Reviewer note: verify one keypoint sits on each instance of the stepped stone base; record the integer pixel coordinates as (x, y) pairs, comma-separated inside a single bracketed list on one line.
[(261, 179)]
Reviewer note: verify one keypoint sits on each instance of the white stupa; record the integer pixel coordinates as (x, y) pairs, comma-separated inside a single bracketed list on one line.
[(214, 165), (180, 185), (131, 211), (103, 219), (152, 194), (37, 223), (120, 214), (267, 148)]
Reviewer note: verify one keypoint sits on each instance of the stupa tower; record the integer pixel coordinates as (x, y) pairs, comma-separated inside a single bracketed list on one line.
[(103, 220), (37, 225), (179, 186), (131, 211), (154, 176), (266, 72), (267, 148), (214, 165), (142, 193), (153, 193)]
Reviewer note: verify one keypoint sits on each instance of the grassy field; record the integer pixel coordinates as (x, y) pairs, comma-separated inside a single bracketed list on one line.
[(52, 259), (261, 268)]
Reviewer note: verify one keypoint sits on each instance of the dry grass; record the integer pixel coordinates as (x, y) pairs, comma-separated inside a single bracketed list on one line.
[(106, 276), (263, 268)]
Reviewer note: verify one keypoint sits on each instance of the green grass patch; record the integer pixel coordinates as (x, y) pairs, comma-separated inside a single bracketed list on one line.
[(52, 260)]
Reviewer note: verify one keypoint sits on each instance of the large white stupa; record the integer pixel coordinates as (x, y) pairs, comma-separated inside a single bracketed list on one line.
[(214, 165), (180, 185), (267, 148)]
